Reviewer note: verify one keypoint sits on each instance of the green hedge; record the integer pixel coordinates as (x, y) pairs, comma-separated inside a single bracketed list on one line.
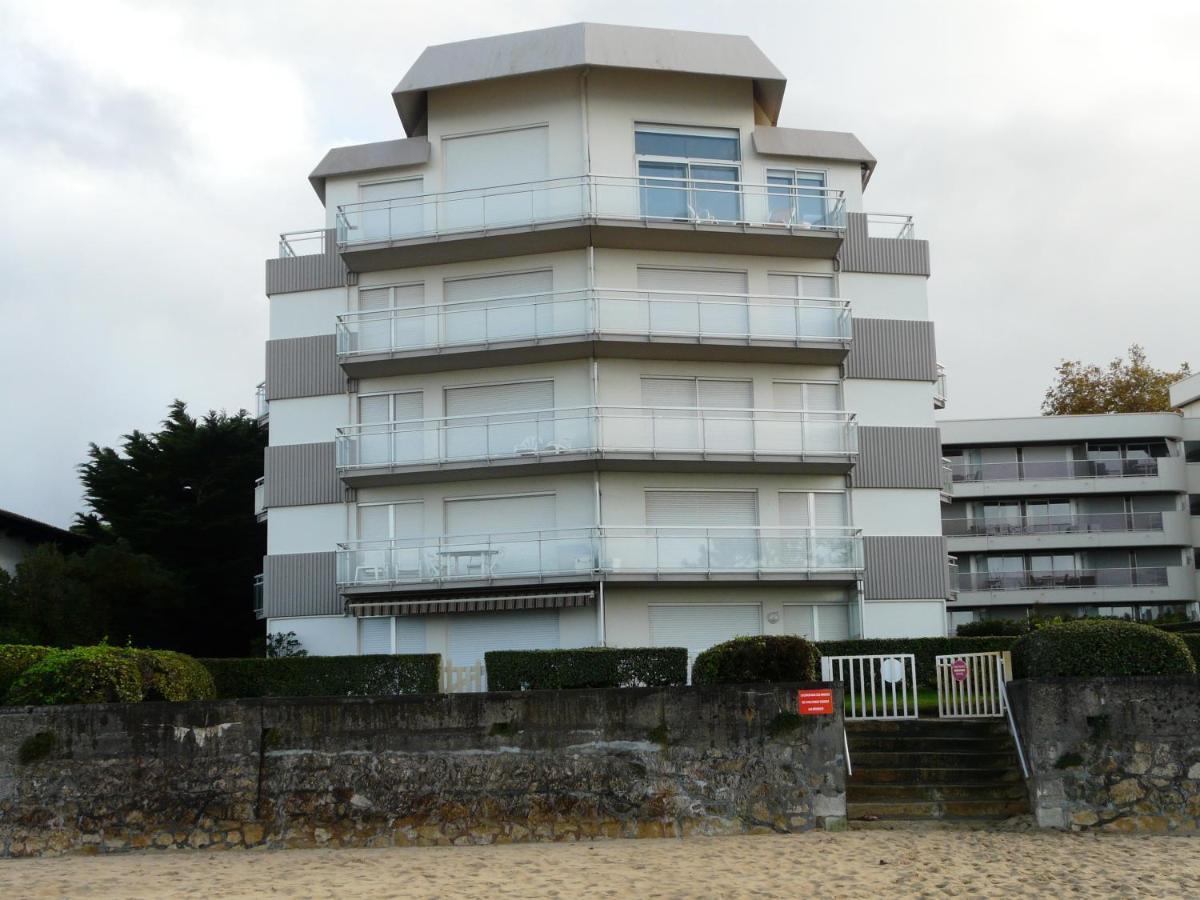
[(1193, 644), (326, 676), (923, 649), (766, 657), (587, 667), (167, 675), (15, 659), (1094, 648), (104, 674)]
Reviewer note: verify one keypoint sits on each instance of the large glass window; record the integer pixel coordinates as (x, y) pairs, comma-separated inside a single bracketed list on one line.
[(688, 175), (796, 197)]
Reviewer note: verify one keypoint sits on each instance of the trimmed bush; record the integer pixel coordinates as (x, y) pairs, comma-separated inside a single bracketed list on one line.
[(1101, 647), (923, 649), (587, 667), (996, 628), (765, 657), (15, 659), (167, 675), (1193, 644), (326, 676), (84, 675)]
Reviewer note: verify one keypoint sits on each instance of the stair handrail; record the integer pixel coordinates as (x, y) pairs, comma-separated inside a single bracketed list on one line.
[(846, 745), (1012, 723)]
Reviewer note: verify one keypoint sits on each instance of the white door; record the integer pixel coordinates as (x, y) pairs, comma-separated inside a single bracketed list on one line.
[(390, 428), (698, 627), (500, 536), (817, 622), (789, 318), (679, 417), (695, 302), (471, 635), (391, 211), (511, 165), (390, 319), (391, 532), (515, 306), (824, 544), (809, 420), (498, 420), (703, 530)]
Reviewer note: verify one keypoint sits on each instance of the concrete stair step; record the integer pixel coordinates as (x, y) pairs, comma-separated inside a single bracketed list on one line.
[(928, 727), (938, 809), (904, 793), (928, 775), (997, 758), (867, 743)]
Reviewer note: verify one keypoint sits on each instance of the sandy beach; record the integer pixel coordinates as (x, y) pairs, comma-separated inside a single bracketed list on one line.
[(925, 863)]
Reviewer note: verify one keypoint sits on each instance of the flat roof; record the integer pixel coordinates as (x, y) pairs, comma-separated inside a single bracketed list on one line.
[(362, 158), (586, 44), (1060, 429)]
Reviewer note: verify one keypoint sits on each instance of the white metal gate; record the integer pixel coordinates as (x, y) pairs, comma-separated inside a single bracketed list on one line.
[(876, 687), (971, 685)]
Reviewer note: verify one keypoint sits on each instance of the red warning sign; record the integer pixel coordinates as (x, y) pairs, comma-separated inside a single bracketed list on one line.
[(815, 702), (958, 669)]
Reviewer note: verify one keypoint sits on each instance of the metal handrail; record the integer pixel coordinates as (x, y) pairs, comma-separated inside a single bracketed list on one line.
[(1030, 579), (1012, 722), (289, 240), (553, 533), (1053, 524), (899, 223), (1050, 469)]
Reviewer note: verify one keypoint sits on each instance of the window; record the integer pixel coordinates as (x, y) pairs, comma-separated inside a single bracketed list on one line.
[(515, 156), (1194, 504), (479, 427), (676, 408), (827, 546), (505, 535), (693, 301), (380, 440), (511, 306), (390, 318), (689, 174), (392, 535), (392, 209), (1191, 450), (797, 197)]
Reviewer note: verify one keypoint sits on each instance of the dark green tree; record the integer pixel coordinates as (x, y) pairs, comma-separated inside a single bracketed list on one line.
[(183, 496)]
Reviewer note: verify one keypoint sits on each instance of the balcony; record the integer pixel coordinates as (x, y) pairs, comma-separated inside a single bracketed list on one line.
[(939, 388), (1077, 586), (260, 499), (610, 437), (598, 210), (614, 323), (1067, 477), (258, 597), (795, 555), (893, 226), (1054, 532), (262, 408)]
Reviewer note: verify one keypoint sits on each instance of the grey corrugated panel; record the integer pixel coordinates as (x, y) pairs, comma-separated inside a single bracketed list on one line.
[(301, 475), (311, 272), (361, 159), (904, 567), (301, 584), (893, 349), (304, 367), (882, 256), (892, 456)]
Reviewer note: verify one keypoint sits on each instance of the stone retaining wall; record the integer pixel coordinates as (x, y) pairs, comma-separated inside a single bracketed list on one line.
[(461, 769), (1119, 754)]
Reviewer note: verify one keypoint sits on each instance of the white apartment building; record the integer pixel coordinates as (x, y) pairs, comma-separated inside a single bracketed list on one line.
[(599, 354), (1074, 515)]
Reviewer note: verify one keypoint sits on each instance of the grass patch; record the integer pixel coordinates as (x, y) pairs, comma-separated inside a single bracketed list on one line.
[(926, 700)]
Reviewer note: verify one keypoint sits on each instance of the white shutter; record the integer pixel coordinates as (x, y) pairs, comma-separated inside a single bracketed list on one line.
[(798, 619), (701, 508), (726, 394), (833, 623), (673, 392), (823, 397), (408, 406), (471, 635), (783, 285), (374, 299), (375, 522), (500, 514), (816, 285), (794, 509), (788, 395), (486, 399), (829, 510), (410, 634), (519, 284), (375, 635), (390, 190), (498, 158), (691, 280), (700, 626), (374, 410), (807, 396), (408, 519)]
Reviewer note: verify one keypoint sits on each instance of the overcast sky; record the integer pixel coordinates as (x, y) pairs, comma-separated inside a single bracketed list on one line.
[(153, 151)]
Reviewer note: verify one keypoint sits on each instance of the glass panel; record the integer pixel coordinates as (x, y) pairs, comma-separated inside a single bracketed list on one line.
[(687, 146), (713, 202), (663, 199)]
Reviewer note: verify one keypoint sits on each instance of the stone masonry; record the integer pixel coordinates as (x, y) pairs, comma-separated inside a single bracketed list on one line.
[(1117, 754), (441, 769)]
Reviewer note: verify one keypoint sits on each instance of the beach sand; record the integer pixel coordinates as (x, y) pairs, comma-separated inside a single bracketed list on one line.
[(877, 863)]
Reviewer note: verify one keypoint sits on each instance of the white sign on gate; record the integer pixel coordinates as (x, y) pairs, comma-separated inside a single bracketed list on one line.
[(971, 685), (875, 687)]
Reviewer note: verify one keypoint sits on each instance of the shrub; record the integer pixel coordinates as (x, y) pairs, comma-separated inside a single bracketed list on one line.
[(326, 676), (1100, 647), (99, 674), (923, 649), (1193, 644), (767, 657), (167, 675), (15, 659), (587, 667), (995, 628)]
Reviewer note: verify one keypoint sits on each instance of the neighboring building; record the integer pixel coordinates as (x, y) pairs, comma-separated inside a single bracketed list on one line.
[(20, 534), (1072, 515), (599, 355)]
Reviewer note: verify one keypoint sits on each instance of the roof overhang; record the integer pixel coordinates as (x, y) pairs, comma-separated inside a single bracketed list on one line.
[(586, 44), (361, 159), (841, 146)]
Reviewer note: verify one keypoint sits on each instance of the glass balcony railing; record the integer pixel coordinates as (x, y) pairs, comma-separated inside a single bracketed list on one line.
[(301, 243), (545, 434), (897, 226), (939, 388), (613, 197), (261, 407), (1144, 576), (1072, 468), (1053, 524), (594, 314), (258, 596), (592, 552)]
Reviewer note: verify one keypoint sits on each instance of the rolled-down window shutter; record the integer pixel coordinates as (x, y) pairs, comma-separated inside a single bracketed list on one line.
[(500, 514), (375, 635), (669, 392), (408, 406), (833, 623), (487, 399), (486, 287), (794, 509), (726, 394), (700, 626), (829, 510), (701, 508), (472, 635), (692, 281)]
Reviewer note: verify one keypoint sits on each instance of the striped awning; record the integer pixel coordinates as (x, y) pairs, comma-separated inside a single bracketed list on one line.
[(422, 606)]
